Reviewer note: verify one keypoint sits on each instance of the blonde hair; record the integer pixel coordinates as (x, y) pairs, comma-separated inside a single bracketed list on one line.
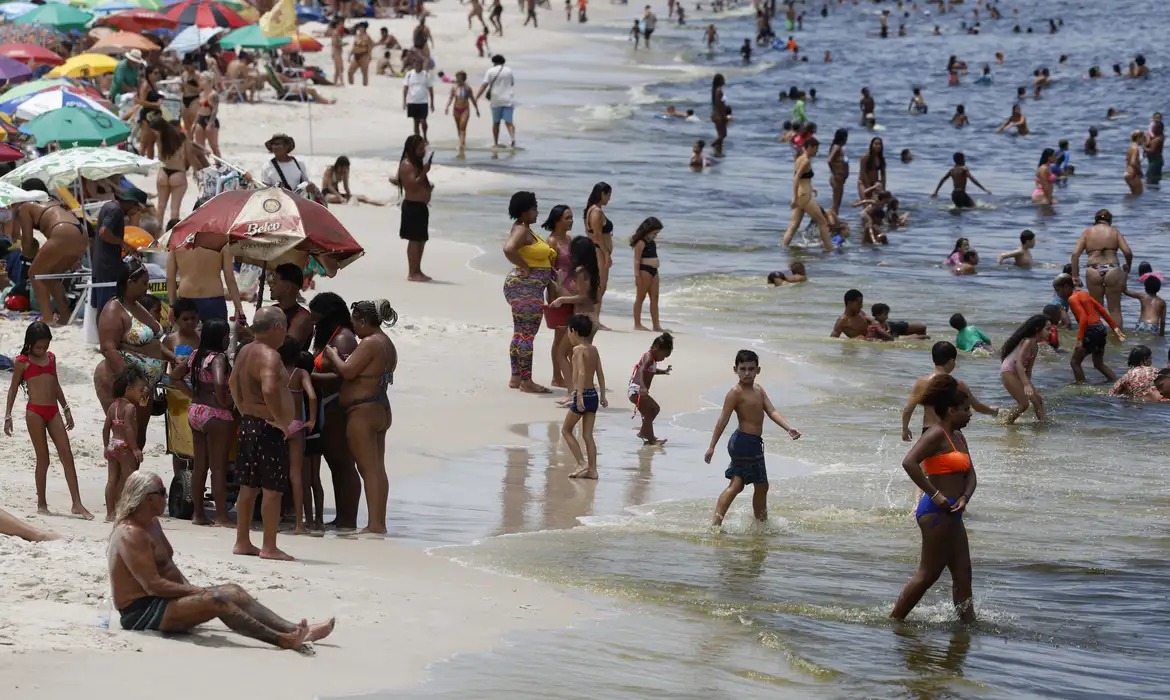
[(138, 486)]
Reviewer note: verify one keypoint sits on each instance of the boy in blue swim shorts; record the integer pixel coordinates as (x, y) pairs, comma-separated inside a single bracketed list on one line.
[(746, 446), (587, 395)]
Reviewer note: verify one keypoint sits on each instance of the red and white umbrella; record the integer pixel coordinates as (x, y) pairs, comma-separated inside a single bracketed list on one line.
[(268, 227)]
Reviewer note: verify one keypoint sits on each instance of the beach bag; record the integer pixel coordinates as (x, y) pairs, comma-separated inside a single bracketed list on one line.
[(179, 503), (493, 82)]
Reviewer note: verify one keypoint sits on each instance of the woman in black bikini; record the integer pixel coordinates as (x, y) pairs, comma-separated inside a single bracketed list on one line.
[(177, 153), (333, 329), (64, 246), (190, 89), (645, 248), (872, 168), (149, 103), (804, 199), (206, 133), (600, 230), (366, 377)]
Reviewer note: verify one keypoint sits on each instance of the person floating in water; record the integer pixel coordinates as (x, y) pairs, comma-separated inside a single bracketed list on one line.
[(1022, 256), (958, 175), (795, 275), (882, 328), (969, 338), (751, 404)]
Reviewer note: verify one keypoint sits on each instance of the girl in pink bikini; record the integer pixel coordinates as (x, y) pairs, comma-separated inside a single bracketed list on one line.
[(36, 369), (213, 425), (120, 433)]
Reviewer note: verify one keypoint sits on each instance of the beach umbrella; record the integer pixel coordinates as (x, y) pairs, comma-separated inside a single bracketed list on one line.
[(307, 13), (111, 6), (77, 126), (8, 130), (13, 10), (51, 100), (205, 13), (267, 227), (10, 153), (13, 71), (252, 37), (32, 87), (11, 194), (191, 38), (84, 65), (30, 53), (138, 20), (119, 42), (62, 168), (45, 38), (302, 42), (61, 17)]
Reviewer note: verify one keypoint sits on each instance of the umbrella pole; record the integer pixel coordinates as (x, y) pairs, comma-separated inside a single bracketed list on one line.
[(310, 106)]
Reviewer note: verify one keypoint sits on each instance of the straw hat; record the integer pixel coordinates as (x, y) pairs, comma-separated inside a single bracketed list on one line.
[(135, 56), (292, 145)]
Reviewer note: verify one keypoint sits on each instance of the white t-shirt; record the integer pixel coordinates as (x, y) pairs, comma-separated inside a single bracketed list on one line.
[(502, 87), (418, 85), (293, 171)]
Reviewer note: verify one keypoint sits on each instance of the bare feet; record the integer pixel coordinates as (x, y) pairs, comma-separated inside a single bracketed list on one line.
[(420, 277), (514, 383), (46, 536), (200, 519), (276, 555), (321, 630), (640, 327), (530, 387), (558, 383), (225, 522), (301, 529), (80, 510), (584, 473), (109, 519), (658, 329), (249, 550), (295, 639), (44, 510)]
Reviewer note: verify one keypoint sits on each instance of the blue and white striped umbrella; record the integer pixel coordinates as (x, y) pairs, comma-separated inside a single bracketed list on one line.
[(47, 101), (192, 38)]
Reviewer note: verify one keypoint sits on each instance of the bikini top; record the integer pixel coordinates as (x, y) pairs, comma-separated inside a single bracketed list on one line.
[(34, 370), (206, 375), (607, 227), (650, 249), (386, 378), (953, 462), (807, 174), (537, 254), (319, 360), (139, 334)]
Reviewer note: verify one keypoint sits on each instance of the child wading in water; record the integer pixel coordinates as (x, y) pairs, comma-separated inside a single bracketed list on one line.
[(587, 395), (120, 433), (36, 369), (746, 446), (308, 497), (646, 271), (1019, 355), (461, 95), (639, 390)]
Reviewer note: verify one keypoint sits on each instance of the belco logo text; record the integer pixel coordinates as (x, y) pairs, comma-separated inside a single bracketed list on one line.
[(263, 228)]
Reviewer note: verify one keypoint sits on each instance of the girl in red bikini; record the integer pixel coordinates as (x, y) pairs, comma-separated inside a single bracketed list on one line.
[(120, 433), (36, 370)]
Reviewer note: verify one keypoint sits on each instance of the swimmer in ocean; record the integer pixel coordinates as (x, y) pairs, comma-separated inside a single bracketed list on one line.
[(959, 120), (906, 156), (745, 51), (698, 160), (868, 107), (917, 103), (985, 78), (968, 264), (1091, 142), (795, 275), (958, 175), (872, 168), (1016, 121), (711, 36), (719, 113), (1022, 256), (672, 113), (853, 323), (1044, 178)]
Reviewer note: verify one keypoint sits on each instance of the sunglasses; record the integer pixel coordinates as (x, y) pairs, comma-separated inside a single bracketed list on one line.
[(157, 492)]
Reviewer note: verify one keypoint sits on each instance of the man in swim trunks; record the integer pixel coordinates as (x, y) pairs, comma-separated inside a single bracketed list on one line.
[(944, 355), (958, 176), (150, 592), (853, 323), (1092, 334), (259, 385)]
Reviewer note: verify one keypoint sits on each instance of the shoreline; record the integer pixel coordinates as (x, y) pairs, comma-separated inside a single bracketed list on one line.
[(453, 337)]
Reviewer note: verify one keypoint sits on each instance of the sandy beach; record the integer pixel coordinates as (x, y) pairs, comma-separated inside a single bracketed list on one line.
[(398, 608)]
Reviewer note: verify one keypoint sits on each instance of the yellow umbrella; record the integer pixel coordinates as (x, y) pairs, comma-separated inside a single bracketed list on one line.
[(84, 65)]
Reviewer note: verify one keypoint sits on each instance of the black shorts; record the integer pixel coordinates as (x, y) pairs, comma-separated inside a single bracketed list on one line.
[(962, 200), (646, 34), (416, 221), (1096, 336), (261, 455), (145, 613), (900, 327), (747, 458), (417, 110)]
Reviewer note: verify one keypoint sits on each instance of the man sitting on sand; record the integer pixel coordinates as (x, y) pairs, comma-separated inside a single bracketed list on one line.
[(151, 593)]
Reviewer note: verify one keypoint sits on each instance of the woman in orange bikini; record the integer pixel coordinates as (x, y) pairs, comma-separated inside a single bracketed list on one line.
[(65, 244), (940, 464), (36, 369)]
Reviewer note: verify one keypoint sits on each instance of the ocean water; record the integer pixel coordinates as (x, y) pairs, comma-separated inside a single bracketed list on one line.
[(1069, 529)]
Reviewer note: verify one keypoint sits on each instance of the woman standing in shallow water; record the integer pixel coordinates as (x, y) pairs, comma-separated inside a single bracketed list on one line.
[(1044, 178), (600, 229), (718, 113), (838, 168), (940, 464), (804, 199), (872, 169), (1133, 161), (558, 225), (525, 286)]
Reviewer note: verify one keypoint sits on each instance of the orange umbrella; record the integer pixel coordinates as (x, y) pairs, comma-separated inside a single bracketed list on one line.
[(302, 42), (123, 41)]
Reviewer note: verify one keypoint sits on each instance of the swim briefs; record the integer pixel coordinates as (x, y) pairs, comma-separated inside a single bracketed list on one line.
[(962, 200), (747, 458), (416, 221), (261, 455), (145, 613), (587, 402), (927, 506)]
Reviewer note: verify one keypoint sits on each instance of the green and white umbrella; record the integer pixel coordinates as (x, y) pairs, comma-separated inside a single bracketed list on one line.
[(252, 37), (63, 18), (62, 168), (11, 194)]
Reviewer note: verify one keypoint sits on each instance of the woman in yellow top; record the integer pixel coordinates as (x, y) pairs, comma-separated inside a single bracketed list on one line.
[(525, 286)]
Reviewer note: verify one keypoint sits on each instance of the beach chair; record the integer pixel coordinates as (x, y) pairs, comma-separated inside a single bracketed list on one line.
[(286, 90)]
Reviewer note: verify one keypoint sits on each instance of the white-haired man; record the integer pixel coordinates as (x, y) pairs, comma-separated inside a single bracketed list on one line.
[(151, 593)]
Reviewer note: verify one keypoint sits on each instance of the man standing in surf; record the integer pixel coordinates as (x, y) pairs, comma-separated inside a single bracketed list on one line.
[(718, 113), (746, 446)]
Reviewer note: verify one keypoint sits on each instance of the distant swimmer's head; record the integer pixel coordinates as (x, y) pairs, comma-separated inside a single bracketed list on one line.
[(907, 156), (718, 81), (700, 145), (794, 93), (1144, 268), (865, 92), (959, 158), (987, 67), (1162, 382), (1140, 60), (971, 257), (670, 109), (797, 268), (1062, 144), (776, 278), (880, 312), (854, 300), (522, 207), (1116, 69), (812, 94), (786, 126), (1027, 238), (958, 322), (961, 245), (943, 353), (1140, 356), (960, 109), (840, 137), (1093, 131), (1063, 58), (690, 112), (1094, 71), (1103, 216)]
